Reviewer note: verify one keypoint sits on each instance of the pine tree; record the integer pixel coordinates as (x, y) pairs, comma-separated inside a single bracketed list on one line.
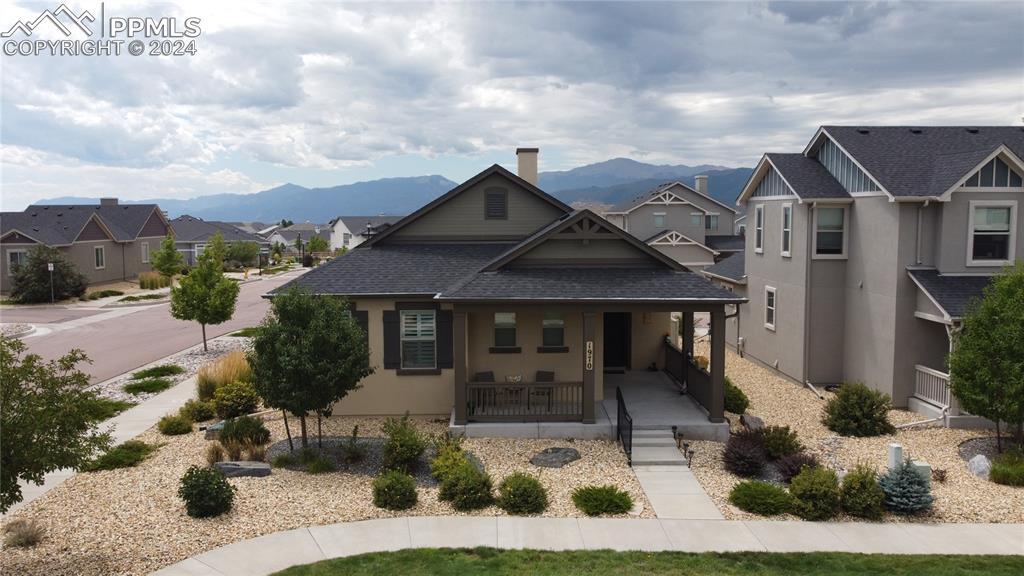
[(907, 491)]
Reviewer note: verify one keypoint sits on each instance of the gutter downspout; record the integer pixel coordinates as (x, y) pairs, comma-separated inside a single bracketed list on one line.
[(920, 217), (807, 298)]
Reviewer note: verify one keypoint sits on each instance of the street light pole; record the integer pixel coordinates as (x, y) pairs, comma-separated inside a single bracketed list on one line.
[(49, 266)]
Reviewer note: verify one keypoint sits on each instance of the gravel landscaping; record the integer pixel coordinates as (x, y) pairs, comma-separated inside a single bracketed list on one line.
[(14, 330), (779, 401), (130, 521)]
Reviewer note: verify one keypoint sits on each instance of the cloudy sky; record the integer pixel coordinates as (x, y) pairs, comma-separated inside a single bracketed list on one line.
[(327, 93)]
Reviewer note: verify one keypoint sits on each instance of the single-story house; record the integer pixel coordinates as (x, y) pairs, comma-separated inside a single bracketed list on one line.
[(191, 235)]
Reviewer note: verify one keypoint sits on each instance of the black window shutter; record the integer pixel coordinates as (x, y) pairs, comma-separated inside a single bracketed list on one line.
[(362, 317), (444, 339), (392, 355)]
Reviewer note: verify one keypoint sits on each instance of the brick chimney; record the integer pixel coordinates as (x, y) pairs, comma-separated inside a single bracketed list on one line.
[(528, 164), (702, 184), (108, 201)]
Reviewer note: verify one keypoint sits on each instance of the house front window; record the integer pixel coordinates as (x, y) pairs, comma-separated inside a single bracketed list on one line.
[(553, 330), (15, 258), (101, 257), (419, 339), (991, 235), (145, 252), (787, 229), (659, 220), (696, 220), (759, 228), (711, 222), (504, 329), (769, 308), (829, 233)]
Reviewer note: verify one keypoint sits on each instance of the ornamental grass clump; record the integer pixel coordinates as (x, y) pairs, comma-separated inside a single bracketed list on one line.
[(522, 494), (394, 490), (206, 492), (245, 430), (816, 491), (1008, 469), (231, 367), (857, 410), (601, 500), (860, 494), (745, 453), (21, 533), (907, 490), (761, 498)]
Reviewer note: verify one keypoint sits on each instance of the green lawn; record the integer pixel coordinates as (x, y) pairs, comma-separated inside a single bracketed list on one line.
[(490, 562)]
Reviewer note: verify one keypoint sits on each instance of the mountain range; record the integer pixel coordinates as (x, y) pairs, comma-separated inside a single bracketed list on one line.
[(607, 182)]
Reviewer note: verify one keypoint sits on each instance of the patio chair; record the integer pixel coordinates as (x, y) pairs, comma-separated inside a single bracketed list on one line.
[(543, 393)]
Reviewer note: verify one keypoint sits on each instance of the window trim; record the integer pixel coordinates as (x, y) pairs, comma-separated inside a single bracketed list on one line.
[(846, 234), (759, 229), (10, 265), (709, 218), (554, 316), (774, 307), (786, 236), (657, 215), (514, 348), (144, 249), (102, 253), (402, 339), (1011, 252)]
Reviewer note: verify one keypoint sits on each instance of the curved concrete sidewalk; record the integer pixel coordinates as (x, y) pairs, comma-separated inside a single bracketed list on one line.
[(277, 551)]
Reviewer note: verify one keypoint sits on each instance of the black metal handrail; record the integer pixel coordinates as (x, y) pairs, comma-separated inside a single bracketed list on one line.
[(624, 426)]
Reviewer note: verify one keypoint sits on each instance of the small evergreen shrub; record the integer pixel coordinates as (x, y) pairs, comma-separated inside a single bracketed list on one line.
[(214, 453), (816, 491), (206, 492), (174, 425), (522, 494), (123, 455), (320, 465), (907, 491), (102, 294), (198, 410), (735, 400), (20, 533), (394, 490), (283, 461), (147, 386), (790, 466), (107, 408), (160, 371), (467, 488), (857, 410), (351, 451), (1008, 469), (234, 399), (599, 500), (404, 446), (745, 454), (780, 441), (761, 498), (449, 458), (245, 430), (860, 495)]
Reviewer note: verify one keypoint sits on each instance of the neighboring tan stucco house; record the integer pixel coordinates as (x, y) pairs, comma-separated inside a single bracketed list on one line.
[(107, 242), (686, 224), (351, 231), (864, 251), (498, 303)]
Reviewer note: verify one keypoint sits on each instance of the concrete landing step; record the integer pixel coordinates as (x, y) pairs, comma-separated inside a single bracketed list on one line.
[(657, 456), (653, 443)]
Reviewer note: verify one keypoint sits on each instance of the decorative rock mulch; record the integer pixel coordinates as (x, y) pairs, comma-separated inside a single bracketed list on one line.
[(130, 521), (963, 497), (15, 330)]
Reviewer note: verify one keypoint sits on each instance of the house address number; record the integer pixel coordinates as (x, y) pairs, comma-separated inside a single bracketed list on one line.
[(590, 355)]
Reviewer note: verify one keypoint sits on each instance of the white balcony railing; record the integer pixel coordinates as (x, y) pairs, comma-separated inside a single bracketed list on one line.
[(933, 386)]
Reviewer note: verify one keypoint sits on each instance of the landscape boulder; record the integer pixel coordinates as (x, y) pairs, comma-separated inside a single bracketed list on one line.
[(555, 457), (213, 430), (751, 422), (980, 466), (240, 468)]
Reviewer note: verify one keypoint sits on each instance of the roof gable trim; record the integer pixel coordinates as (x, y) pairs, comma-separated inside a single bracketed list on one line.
[(823, 133), (1001, 151), (759, 173)]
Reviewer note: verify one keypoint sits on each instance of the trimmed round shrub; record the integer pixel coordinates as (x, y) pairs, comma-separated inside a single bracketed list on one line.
[(744, 453), (198, 410), (816, 491), (780, 441), (522, 494), (174, 425), (206, 492), (790, 466), (1008, 469), (857, 410), (394, 490), (245, 430), (599, 500), (860, 495), (404, 446), (447, 461), (234, 399), (907, 491), (761, 498), (467, 488), (735, 400)]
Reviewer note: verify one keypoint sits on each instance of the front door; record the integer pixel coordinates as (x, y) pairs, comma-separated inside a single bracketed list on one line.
[(616, 341)]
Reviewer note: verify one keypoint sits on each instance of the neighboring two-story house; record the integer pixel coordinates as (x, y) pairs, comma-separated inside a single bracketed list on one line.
[(864, 250), (304, 231), (351, 231), (106, 242), (684, 223)]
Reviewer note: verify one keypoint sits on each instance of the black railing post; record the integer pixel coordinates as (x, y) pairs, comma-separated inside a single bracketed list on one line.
[(624, 426)]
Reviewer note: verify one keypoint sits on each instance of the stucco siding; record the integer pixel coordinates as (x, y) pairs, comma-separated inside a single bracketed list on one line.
[(692, 255), (954, 228), (677, 217), (561, 250), (827, 321)]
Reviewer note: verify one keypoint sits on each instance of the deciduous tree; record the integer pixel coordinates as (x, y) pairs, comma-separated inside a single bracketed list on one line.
[(317, 244), (167, 260), (206, 295)]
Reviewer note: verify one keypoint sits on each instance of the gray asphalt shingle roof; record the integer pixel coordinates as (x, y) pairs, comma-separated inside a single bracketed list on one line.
[(191, 229), (808, 178), (59, 224), (357, 224), (732, 268), (725, 243), (928, 160), (630, 203), (952, 293)]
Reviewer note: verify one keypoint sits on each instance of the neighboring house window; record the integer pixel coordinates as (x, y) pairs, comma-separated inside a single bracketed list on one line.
[(346, 238), (496, 204), (995, 174), (991, 233), (711, 222), (15, 258), (145, 252), (743, 229), (419, 339), (659, 219), (696, 220), (829, 234), (504, 329), (199, 249), (759, 228), (787, 228), (100, 254), (553, 330), (769, 308)]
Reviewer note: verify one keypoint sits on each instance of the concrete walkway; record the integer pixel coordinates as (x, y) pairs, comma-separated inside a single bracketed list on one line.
[(670, 486), (273, 552)]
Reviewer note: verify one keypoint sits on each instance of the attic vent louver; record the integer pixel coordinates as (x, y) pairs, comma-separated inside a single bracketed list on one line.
[(916, 130), (972, 130), (863, 130)]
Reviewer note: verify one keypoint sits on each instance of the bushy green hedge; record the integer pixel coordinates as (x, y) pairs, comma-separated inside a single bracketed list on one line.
[(600, 500), (174, 425), (816, 491), (206, 492), (1008, 469), (198, 410), (735, 400), (123, 455), (762, 498), (467, 488), (780, 441), (235, 399), (857, 410), (907, 491), (404, 446), (394, 490), (861, 495), (522, 494)]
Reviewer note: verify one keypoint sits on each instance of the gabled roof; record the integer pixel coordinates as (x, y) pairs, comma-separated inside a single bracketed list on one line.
[(676, 238), (60, 224), (358, 224), (904, 159), (731, 269), (494, 169), (633, 203), (191, 229), (726, 243), (805, 177), (306, 229), (952, 294)]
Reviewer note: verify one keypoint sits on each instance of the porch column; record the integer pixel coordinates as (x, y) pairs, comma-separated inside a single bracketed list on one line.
[(459, 364), (717, 409), (688, 333), (589, 364)]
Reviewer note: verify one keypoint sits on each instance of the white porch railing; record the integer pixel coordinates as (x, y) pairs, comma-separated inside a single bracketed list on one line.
[(933, 386)]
